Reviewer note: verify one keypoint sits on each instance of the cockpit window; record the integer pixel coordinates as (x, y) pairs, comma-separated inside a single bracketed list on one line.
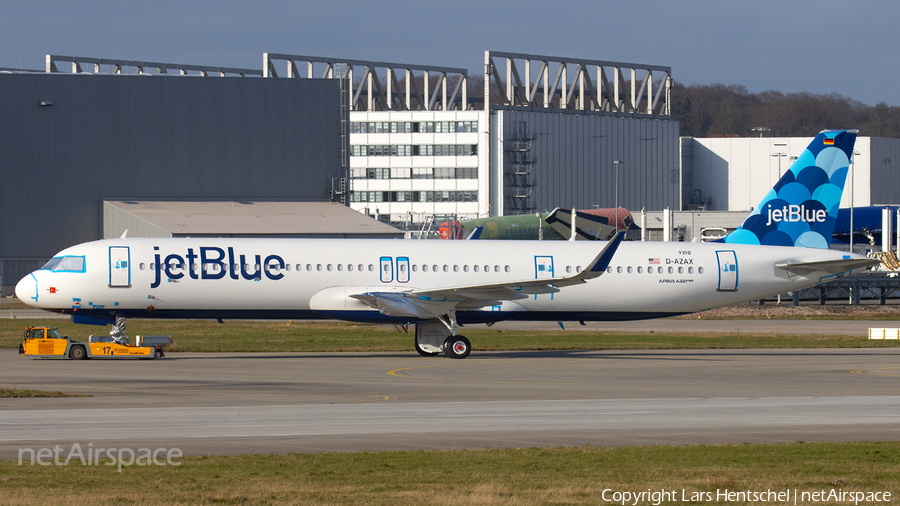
[(65, 264)]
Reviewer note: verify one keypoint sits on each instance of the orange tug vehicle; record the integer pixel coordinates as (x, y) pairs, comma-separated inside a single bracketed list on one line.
[(45, 342)]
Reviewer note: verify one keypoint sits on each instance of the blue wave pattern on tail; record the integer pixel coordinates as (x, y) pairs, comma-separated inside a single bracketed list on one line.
[(802, 208)]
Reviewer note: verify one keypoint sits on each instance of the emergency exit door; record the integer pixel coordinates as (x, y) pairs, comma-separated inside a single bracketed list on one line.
[(119, 267), (728, 271)]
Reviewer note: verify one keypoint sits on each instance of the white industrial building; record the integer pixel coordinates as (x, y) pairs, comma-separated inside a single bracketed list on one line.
[(729, 176), (733, 174)]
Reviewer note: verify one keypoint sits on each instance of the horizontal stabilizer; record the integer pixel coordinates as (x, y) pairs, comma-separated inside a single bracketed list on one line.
[(829, 266)]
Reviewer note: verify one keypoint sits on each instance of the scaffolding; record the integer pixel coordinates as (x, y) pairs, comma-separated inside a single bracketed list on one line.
[(419, 88), (578, 85), (78, 64)]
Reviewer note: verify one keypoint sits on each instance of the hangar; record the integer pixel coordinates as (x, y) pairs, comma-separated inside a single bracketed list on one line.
[(239, 218), (70, 141)]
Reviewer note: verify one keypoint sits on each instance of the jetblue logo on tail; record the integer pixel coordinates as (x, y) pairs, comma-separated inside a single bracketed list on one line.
[(802, 207), (796, 214)]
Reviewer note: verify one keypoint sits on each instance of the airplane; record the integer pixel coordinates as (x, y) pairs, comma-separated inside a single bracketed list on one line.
[(591, 224), (439, 286)]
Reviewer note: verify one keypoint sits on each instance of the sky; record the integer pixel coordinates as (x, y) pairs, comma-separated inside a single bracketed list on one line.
[(821, 47)]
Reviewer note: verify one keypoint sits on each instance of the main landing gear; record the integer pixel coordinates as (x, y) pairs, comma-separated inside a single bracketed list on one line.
[(441, 335)]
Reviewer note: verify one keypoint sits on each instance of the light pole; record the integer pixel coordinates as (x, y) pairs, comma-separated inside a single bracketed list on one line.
[(780, 156), (617, 163), (852, 189)]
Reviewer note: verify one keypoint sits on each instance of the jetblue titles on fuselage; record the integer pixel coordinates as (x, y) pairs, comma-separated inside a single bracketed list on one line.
[(214, 265)]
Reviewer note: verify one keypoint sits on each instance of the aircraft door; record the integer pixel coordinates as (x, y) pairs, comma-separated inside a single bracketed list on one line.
[(119, 267), (543, 267), (387, 269), (492, 231), (728, 271), (403, 269)]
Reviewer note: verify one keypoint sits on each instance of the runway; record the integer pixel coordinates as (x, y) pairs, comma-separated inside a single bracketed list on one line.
[(308, 402)]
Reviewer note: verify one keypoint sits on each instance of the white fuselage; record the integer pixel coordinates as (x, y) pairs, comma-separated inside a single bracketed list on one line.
[(314, 278)]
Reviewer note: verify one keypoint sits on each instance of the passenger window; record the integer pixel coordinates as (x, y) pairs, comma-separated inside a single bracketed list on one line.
[(309, 267), (424, 267), (506, 269), (690, 270), (340, 267), (465, 268), (659, 270), (446, 268), (619, 269), (371, 267), (681, 270), (455, 268), (671, 270), (475, 268), (359, 267), (318, 267), (568, 268), (699, 270), (640, 270), (142, 266), (629, 269), (350, 267), (578, 268)]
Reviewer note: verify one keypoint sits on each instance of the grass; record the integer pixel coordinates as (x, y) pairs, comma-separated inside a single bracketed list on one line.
[(7, 393), (281, 336), (485, 476)]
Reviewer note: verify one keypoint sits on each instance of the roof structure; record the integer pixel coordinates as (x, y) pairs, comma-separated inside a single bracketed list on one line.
[(148, 218)]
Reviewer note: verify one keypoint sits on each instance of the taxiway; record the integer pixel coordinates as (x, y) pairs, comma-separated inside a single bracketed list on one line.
[(299, 402)]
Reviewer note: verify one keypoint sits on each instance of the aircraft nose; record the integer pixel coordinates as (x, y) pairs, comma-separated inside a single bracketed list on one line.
[(26, 289)]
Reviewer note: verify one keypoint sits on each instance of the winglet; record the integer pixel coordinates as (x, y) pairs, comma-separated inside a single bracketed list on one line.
[(597, 266), (606, 254)]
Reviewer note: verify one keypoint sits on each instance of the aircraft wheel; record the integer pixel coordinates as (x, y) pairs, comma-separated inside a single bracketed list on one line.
[(423, 352), (457, 347), (77, 353)]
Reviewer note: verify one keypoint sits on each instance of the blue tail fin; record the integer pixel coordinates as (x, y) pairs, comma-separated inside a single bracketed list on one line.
[(802, 208)]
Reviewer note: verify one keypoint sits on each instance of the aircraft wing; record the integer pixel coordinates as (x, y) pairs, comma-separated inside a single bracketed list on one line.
[(829, 266), (434, 302)]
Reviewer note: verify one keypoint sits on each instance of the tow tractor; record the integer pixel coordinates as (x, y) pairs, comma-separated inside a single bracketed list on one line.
[(45, 342)]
